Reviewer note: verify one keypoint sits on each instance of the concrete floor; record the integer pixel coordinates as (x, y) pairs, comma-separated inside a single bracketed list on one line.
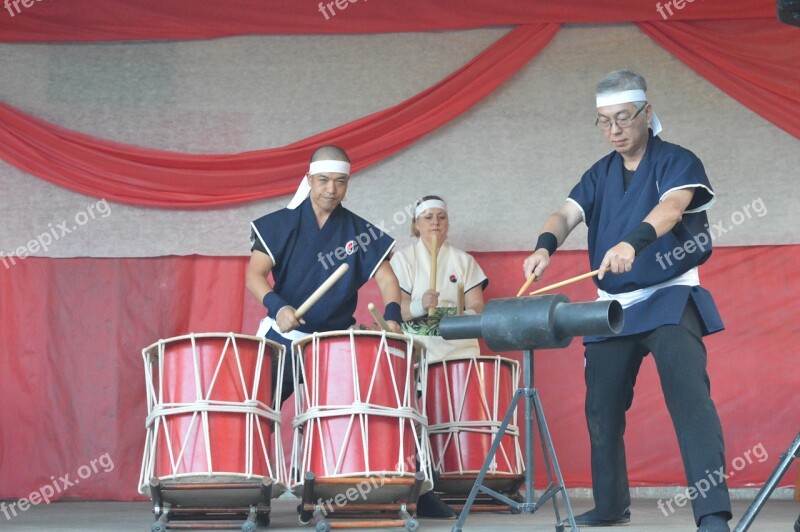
[(777, 515)]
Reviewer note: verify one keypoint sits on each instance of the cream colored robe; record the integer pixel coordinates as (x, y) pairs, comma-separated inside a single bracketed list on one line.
[(412, 266)]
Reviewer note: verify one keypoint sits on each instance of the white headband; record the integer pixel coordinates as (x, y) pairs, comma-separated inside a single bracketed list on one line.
[(429, 204), (317, 167), (638, 95), (334, 167)]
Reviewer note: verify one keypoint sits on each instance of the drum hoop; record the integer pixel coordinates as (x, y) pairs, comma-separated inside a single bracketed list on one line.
[(400, 414), (188, 336), (352, 333), (460, 358), (173, 409)]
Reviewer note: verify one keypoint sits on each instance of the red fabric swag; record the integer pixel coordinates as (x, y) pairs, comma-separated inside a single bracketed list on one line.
[(147, 177), (756, 62), (123, 20)]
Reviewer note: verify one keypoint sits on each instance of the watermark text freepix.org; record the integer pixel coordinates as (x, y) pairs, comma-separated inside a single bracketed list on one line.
[(714, 478), (362, 240), (328, 7), (55, 232), (56, 486), (669, 4), (362, 490), (12, 6), (702, 240)]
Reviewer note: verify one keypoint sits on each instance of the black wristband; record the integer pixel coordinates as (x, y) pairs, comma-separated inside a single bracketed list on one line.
[(274, 303), (641, 237), (547, 241), (392, 312)]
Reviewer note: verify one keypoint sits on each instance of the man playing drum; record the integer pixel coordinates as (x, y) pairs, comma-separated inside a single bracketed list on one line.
[(641, 203), (302, 245)]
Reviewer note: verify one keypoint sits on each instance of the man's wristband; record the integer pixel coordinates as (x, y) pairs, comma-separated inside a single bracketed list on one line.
[(641, 237), (416, 308), (547, 241), (392, 312), (273, 302)]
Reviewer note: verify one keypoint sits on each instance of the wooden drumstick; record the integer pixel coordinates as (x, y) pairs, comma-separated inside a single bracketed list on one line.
[(460, 300), (434, 256), (319, 292), (531, 279), (565, 283), (378, 318)]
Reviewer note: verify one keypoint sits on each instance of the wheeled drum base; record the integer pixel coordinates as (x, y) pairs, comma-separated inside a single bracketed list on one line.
[(360, 502), (454, 490), (218, 506)]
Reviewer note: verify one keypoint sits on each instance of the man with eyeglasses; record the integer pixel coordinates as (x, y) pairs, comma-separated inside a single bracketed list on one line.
[(303, 244), (644, 205)]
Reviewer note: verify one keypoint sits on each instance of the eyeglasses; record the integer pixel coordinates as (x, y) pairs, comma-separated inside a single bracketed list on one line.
[(623, 122)]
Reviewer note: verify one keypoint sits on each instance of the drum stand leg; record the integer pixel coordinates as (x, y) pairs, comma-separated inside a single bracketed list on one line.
[(308, 499), (769, 486), (555, 484)]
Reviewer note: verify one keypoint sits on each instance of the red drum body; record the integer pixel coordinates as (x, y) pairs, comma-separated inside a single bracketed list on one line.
[(467, 399), (356, 406), (211, 414)]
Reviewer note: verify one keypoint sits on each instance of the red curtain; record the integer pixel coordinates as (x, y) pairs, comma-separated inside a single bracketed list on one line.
[(756, 62), (122, 20), (140, 176), (73, 380)]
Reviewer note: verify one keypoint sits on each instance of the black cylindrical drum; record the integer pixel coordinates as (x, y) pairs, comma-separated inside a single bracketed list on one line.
[(542, 322)]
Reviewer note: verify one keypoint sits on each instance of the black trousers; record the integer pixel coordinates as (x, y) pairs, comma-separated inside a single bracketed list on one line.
[(611, 370)]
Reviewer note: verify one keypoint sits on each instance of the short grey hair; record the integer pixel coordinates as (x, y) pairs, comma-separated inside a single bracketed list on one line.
[(621, 80)]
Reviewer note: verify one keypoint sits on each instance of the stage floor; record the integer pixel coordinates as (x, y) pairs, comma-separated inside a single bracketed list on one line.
[(775, 516)]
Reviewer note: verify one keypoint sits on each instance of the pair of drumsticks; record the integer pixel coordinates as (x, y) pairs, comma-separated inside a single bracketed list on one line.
[(553, 286)]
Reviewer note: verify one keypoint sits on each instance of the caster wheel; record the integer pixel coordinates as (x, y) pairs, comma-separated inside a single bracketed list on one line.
[(248, 526), (514, 511), (262, 519), (412, 525), (323, 526), (158, 527)]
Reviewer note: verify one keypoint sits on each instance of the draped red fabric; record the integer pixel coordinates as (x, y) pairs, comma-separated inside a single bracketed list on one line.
[(141, 176), (73, 385), (121, 20), (756, 62)]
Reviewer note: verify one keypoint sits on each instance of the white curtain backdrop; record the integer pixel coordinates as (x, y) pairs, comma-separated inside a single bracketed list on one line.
[(503, 166)]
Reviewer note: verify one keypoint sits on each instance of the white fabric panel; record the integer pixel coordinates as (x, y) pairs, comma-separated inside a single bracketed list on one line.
[(502, 167)]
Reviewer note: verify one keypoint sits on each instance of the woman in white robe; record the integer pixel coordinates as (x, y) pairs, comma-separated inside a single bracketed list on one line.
[(412, 266)]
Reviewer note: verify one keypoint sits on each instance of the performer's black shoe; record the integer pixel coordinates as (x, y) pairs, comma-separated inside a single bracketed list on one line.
[(431, 506), (797, 524), (717, 522), (592, 518)]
